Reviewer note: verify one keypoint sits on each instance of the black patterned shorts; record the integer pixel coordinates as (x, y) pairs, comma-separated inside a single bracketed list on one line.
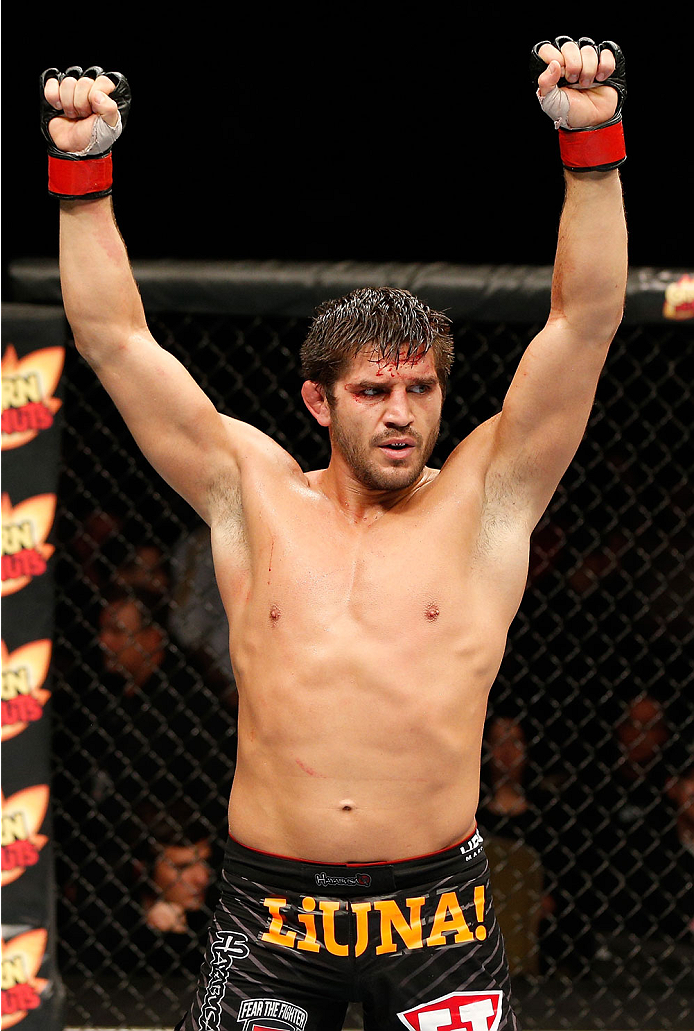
[(292, 943)]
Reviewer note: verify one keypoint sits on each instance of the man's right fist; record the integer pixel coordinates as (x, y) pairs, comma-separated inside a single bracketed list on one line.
[(82, 115)]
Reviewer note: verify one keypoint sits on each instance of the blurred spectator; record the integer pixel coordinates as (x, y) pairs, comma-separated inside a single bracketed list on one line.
[(147, 731), (179, 849), (165, 726), (508, 762), (93, 547), (180, 876), (177, 853), (146, 569), (99, 545), (132, 643), (642, 733), (519, 806), (639, 883), (197, 619)]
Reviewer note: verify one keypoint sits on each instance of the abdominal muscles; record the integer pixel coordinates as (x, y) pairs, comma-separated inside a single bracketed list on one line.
[(360, 731)]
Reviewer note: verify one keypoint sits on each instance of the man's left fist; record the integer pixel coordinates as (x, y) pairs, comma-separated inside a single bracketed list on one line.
[(581, 86)]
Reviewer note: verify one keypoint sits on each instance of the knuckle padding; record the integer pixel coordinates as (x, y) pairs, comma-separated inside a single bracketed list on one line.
[(50, 73), (121, 95), (586, 41), (617, 80)]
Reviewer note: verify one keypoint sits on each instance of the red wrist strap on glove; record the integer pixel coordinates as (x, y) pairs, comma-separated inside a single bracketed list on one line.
[(70, 179), (596, 149)]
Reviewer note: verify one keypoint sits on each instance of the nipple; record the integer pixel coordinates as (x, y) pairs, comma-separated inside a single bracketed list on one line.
[(274, 614), (432, 612)]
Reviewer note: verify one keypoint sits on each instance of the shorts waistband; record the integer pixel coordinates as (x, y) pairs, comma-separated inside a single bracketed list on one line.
[(347, 880)]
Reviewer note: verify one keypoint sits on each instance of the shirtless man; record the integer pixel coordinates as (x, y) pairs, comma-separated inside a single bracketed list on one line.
[(368, 602)]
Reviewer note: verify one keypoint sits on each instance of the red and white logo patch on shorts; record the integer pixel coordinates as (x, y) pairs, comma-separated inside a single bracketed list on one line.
[(459, 1011)]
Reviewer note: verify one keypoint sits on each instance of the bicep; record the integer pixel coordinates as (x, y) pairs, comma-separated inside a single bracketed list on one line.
[(174, 423), (544, 415)]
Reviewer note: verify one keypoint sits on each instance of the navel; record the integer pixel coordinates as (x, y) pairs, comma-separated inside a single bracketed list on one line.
[(432, 612), (347, 806)]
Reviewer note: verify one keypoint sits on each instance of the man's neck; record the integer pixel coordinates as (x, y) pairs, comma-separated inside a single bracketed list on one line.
[(360, 504)]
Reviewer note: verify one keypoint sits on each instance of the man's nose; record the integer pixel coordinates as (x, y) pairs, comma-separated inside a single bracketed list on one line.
[(398, 411)]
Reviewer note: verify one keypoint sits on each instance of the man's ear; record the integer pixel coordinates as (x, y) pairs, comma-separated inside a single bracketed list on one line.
[(316, 402)]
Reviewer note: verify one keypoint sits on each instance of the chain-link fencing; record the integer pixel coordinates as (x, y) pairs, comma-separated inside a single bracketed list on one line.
[(587, 803)]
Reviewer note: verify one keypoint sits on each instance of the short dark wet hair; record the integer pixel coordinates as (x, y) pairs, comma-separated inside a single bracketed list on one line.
[(391, 323)]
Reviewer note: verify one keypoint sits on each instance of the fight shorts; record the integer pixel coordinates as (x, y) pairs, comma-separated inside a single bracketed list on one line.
[(416, 942)]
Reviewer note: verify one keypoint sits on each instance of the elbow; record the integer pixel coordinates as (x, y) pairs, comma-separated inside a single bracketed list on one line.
[(596, 312), (98, 345), (89, 342), (83, 341), (594, 328), (602, 330)]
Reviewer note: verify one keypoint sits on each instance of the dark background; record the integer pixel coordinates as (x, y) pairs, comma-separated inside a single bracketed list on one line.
[(356, 133)]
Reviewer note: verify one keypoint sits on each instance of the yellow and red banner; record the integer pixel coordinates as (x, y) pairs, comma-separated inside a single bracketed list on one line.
[(33, 354)]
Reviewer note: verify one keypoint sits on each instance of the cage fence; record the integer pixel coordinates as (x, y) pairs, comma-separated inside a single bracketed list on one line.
[(591, 718)]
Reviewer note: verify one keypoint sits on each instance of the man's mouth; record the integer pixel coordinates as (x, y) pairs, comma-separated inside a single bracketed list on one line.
[(397, 448)]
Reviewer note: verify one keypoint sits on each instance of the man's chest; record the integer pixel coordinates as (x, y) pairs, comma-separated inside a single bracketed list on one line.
[(377, 583), (414, 567)]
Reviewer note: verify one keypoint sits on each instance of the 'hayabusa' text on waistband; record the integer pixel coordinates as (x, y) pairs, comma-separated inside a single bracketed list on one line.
[(351, 879)]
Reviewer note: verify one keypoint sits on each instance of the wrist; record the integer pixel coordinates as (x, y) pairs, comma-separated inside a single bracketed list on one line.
[(597, 148), (591, 177), (71, 178)]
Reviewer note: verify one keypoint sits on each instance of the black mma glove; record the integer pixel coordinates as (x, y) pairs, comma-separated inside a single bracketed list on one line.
[(594, 148), (89, 172)]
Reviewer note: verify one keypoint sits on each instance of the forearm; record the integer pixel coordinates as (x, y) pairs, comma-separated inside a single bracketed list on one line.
[(589, 281), (100, 296)]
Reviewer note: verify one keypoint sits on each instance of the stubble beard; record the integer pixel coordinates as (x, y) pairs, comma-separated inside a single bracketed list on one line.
[(361, 458)]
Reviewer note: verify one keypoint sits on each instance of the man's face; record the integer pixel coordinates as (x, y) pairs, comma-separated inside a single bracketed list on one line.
[(385, 421), (119, 637), (182, 874), (128, 648)]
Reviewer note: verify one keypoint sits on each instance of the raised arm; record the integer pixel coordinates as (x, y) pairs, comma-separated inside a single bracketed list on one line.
[(174, 423), (549, 401), (194, 448)]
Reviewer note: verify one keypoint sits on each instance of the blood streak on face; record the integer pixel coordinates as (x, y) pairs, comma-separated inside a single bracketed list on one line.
[(385, 420)]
